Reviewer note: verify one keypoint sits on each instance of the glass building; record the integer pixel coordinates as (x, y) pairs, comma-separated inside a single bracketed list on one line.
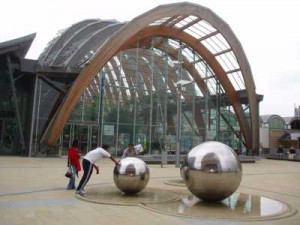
[(169, 80)]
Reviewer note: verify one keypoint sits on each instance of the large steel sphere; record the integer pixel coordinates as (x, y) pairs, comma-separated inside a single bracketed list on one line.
[(132, 175), (212, 171)]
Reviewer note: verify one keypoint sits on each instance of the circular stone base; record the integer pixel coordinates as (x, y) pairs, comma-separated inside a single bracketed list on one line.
[(175, 182), (108, 194), (238, 206)]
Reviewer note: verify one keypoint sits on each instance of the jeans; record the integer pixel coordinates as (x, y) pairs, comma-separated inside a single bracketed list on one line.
[(71, 184)]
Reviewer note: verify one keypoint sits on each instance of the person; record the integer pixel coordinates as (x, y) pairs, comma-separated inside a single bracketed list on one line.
[(280, 150), (73, 163), (129, 151), (291, 152), (237, 151), (88, 163)]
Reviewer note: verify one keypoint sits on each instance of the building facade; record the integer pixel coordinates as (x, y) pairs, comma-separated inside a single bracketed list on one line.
[(169, 79), (276, 130)]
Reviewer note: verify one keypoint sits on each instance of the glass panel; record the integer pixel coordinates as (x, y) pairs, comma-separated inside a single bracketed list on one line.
[(200, 29), (221, 41), (90, 112), (277, 123), (81, 134), (195, 32), (47, 101), (66, 139), (211, 46), (218, 42), (94, 136), (237, 80), (185, 21), (13, 100), (228, 61), (141, 100)]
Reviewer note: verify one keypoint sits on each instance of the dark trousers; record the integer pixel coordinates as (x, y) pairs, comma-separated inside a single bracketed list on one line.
[(87, 172)]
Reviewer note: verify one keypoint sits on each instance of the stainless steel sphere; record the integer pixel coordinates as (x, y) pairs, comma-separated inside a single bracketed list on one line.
[(132, 175), (212, 171)]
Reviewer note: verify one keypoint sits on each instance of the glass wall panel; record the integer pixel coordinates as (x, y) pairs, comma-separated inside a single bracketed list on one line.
[(46, 99), (277, 123), (140, 102), (13, 100), (66, 138)]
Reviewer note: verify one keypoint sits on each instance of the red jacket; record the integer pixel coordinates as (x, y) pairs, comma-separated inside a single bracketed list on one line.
[(73, 158)]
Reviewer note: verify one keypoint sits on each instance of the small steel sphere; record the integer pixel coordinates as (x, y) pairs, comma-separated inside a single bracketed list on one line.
[(212, 171), (132, 175)]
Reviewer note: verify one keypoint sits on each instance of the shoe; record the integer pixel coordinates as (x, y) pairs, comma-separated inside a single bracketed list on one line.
[(80, 192)]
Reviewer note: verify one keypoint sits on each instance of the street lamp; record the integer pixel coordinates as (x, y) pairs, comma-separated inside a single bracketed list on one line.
[(179, 85), (100, 114)]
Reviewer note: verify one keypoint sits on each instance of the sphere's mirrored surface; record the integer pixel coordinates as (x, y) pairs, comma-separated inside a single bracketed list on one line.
[(132, 175), (212, 171)]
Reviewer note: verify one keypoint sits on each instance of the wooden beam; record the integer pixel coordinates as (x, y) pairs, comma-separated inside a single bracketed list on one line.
[(210, 59), (208, 36), (130, 31)]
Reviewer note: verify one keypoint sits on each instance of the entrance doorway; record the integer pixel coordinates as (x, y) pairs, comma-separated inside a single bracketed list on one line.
[(86, 134)]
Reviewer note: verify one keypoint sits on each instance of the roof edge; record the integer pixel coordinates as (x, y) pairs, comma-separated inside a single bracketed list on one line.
[(23, 43)]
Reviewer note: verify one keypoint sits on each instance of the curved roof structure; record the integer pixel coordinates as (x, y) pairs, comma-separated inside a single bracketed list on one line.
[(290, 120), (294, 121), (269, 118), (19, 46), (184, 33)]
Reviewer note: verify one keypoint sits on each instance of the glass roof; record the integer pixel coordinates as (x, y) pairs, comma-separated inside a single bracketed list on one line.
[(211, 38), (155, 59)]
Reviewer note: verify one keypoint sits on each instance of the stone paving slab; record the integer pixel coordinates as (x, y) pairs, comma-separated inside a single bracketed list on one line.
[(33, 191)]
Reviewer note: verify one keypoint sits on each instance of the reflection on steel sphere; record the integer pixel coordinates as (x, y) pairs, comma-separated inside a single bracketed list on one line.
[(212, 171), (132, 175)]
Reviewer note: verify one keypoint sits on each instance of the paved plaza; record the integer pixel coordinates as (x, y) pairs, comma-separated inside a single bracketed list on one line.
[(33, 191)]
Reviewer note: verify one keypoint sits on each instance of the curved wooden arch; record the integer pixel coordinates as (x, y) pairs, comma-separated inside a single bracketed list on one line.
[(130, 30), (210, 59)]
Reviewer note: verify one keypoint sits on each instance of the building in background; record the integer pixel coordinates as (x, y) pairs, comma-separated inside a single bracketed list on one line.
[(167, 80), (297, 111), (276, 130)]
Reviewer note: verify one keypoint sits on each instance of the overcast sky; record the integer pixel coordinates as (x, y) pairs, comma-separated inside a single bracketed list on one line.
[(268, 30)]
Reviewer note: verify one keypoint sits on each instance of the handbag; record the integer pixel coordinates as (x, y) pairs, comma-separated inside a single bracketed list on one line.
[(69, 173)]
